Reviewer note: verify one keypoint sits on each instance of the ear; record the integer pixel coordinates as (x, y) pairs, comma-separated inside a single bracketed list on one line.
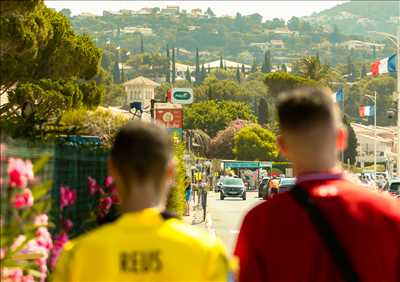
[(341, 139), (282, 145)]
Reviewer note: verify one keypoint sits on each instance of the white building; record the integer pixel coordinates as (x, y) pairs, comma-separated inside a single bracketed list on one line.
[(229, 64), (140, 89), (361, 45), (278, 44), (146, 31), (170, 10)]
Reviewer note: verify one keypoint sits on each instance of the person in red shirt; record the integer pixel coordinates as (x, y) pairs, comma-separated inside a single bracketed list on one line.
[(281, 240)]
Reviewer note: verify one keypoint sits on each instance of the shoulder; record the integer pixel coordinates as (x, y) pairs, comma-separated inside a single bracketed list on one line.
[(184, 234)]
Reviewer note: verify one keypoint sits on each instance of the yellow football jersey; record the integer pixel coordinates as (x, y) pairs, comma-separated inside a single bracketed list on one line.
[(143, 246)]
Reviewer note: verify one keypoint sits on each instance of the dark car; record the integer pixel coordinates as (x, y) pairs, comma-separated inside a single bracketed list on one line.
[(217, 187), (394, 187), (232, 187), (263, 187)]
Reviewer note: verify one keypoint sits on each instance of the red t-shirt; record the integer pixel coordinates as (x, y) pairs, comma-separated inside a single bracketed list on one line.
[(278, 242)]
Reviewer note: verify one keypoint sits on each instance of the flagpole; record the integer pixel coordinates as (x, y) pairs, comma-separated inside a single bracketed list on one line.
[(343, 119)]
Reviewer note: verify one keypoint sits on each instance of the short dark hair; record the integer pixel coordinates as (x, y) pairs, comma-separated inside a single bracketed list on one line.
[(141, 151), (306, 106)]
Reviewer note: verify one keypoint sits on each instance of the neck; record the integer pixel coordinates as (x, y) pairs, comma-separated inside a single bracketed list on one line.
[(315, 168), (141, 197)]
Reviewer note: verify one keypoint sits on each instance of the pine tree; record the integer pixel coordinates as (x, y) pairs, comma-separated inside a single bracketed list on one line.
[(173, 66), (238, 74), (267, 65), (351, 70), (243, 69), (197, 72), (221, 63), (203, 73), (363, 71), (188, 76), (141, 44), (283, 68), (168, 74), (122, 74), (208, 69), (262, 111), (254, 65), (116, 73), (374, 52)]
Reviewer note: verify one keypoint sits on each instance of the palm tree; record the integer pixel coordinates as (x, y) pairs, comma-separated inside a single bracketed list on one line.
[(310, 67)]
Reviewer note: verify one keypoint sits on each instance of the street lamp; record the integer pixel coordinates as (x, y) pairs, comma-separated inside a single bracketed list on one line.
[(373, 98), (396, 41)]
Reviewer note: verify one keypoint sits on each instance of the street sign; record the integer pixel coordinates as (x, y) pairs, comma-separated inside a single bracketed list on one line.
[(171, 118), (181, 96)]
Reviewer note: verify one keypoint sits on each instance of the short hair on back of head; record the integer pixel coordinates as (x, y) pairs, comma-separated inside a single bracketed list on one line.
[(305, 107), (141, 151)]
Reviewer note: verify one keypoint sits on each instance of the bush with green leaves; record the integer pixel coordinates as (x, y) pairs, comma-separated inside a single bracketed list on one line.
[(255, 143)]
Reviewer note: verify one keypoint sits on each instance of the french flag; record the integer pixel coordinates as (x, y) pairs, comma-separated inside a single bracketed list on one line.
[(384, 66), (366, 111)]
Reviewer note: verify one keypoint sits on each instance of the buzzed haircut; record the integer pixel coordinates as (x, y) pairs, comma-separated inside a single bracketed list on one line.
[(305, 107), (141, 151)]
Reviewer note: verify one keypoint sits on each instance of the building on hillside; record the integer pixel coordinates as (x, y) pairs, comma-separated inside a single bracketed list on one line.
[(87, 15), (277, 44), (170, 10), (385, 143), (145, 11), (193, 27), (361, 45), (145, 31), (261, 45), (184, 52), (204, 53), (281, 31), (227, 63), (140, 89), (197, 13), (111, 13)]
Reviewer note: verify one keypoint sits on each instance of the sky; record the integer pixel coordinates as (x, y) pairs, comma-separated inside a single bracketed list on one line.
[(268, 9)]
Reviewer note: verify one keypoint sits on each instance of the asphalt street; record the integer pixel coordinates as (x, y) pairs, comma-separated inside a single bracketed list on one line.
[(227, 215)]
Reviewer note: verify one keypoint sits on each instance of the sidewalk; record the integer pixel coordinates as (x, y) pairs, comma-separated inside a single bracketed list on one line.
[(196, 219)]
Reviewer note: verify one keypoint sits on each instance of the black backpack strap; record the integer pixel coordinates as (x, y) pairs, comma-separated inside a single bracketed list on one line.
[(327, 234)]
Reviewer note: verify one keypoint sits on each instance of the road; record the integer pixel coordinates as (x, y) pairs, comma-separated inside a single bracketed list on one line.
[(228, 214)]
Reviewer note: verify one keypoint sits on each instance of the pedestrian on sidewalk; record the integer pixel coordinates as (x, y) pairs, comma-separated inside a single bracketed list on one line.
[(326, 228), (188, 195), (146, 243)]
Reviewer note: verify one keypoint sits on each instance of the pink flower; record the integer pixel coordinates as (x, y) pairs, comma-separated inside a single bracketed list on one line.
[(92, 185), (59, 242), (28, 278), (43, 238), (22, 200), (2, 253), (67, 224), (108, 181), (104, 206), (114, 195), (67, 197), (18, 242), (41, 220), (3, 149), (19, 172), (12, 274)]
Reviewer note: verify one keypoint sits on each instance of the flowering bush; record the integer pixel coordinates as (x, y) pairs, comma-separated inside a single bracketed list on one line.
[(25, 241)]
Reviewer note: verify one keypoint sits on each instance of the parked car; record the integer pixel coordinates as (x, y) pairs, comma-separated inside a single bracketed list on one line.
[(218, 185), (232, 187), (394, 187), (263, 187)]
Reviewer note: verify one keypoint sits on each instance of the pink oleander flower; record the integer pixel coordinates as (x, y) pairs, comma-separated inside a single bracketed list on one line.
[(59, 242), (114, 195), (67, 197), (28, 278), (67, 224), (108, 181), (41, 220), (19, 172), (105, 206), (2, 253), (12, 274), (92, 185), (43, 238), (22, 200)]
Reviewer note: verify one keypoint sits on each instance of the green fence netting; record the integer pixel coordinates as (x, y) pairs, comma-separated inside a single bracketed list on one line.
[(70, 164)]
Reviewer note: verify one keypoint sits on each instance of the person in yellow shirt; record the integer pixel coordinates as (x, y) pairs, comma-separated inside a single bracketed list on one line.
[(145, 243)]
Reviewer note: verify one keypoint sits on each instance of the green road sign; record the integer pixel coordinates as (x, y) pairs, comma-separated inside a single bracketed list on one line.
[(182, 96)]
